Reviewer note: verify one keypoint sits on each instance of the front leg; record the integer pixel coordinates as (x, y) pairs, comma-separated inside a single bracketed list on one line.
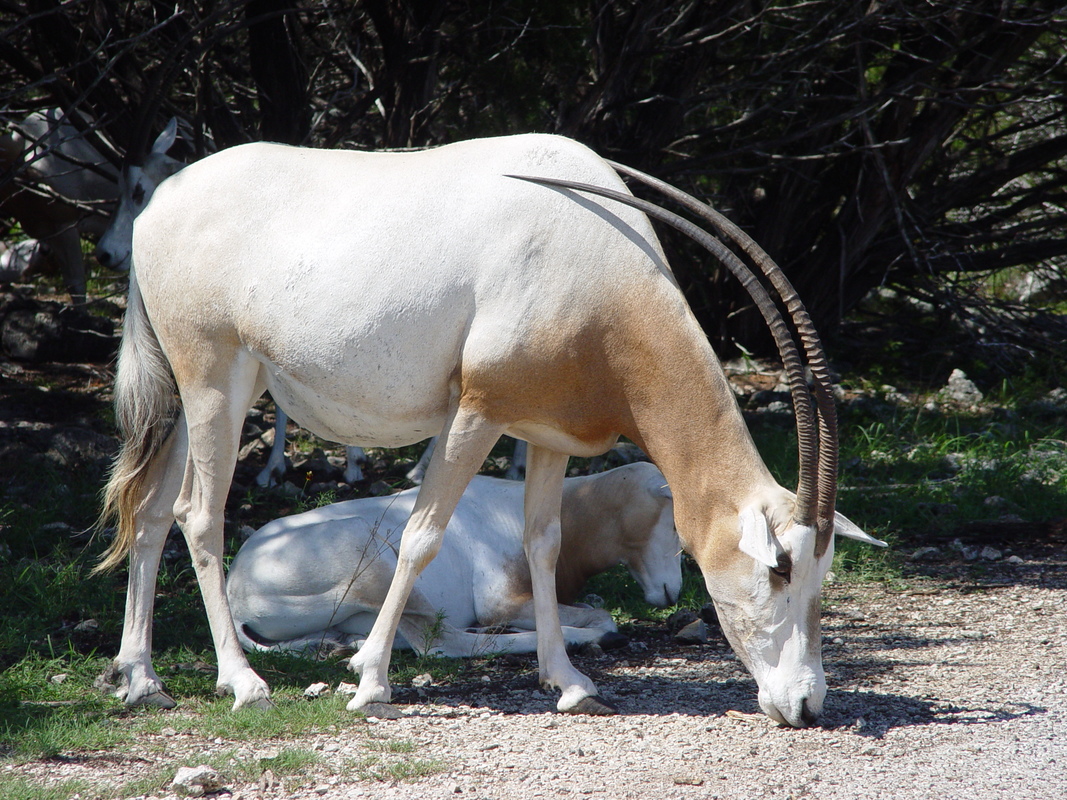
[(525, 618), (461, 449), (541, 539)]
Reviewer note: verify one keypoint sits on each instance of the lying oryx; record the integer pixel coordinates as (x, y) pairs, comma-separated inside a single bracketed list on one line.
[(385, 297), (320, 577)]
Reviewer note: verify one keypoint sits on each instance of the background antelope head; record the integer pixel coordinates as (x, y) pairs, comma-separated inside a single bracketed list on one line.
[(136, 185)]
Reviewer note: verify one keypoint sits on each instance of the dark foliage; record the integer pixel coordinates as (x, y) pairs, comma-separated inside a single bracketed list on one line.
[(861, 143)]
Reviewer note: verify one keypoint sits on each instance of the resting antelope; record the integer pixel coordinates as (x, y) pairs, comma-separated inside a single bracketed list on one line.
[(67, 189), (385, 297), (320, 577)]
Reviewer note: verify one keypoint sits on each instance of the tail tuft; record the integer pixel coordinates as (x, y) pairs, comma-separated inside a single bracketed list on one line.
[(146, 406)]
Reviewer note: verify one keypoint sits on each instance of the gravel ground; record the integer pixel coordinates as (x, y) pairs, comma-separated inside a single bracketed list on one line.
[(952, 686)]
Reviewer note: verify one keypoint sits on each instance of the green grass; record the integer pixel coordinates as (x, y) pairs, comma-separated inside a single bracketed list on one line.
[(17, 788), (376, 768)]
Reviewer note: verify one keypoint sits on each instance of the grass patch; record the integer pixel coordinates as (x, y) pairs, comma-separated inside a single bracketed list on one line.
[(18, 788), (376, 768)]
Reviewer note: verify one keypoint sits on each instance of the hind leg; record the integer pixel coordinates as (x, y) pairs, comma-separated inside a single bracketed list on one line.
[(138, 683), (274, 470), (216, 398), (460, 452)]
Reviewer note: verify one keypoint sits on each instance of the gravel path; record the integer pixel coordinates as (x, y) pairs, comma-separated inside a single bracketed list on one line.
[(947, 688)]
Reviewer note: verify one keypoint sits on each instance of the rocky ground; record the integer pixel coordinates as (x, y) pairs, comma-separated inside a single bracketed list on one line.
[(948, 686)]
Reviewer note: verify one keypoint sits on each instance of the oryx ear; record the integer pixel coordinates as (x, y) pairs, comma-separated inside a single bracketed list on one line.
[(843, 526), (165, 140), (756, 537)]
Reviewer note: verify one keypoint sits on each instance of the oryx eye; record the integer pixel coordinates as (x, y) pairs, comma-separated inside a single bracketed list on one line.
[(784, 570), (138, 194)]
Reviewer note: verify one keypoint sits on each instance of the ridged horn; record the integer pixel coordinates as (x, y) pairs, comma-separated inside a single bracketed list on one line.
[(807, 433), (809, 337)]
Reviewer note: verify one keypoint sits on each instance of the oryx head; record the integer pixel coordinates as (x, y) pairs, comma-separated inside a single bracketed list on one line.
[(652, 549), (766, 588), (136, 185)]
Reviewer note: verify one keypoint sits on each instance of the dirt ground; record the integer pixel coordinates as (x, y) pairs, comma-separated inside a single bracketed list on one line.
[(953, 686)]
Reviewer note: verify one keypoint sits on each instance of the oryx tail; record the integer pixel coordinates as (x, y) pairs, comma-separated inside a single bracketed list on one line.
[(145, 409)]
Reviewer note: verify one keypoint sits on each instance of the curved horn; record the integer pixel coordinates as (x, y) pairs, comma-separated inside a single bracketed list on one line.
[(807, 436), (820, 369)]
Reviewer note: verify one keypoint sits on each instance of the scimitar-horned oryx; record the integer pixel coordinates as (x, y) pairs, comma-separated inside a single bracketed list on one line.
[(385, 297), (318, 578), (65, 188)]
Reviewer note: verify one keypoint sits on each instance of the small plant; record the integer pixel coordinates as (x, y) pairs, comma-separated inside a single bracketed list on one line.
[(430, 634), (375, 768)]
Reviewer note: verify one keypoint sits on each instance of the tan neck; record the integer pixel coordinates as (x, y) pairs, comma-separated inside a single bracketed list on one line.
[(687, 420)]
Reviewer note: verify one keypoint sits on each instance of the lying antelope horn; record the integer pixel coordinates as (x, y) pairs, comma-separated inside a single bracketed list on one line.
[(807, 434), (820, 369)]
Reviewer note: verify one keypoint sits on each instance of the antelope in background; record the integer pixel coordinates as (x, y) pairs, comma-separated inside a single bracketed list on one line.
[(65, 189)]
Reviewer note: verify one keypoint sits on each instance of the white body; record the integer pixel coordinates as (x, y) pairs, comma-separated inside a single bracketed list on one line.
[(386, 297), (71, 200), (137, 184), (321, 576)]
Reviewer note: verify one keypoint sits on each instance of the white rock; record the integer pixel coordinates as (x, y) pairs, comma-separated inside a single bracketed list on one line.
[(317, 690), (961, 389), (196, 781)]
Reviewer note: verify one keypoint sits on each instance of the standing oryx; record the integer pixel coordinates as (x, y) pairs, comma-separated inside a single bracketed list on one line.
[(385, 297), (65, 189)]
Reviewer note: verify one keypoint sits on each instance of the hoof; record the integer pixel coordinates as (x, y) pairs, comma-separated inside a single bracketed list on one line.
[(262, 704), (613, 641), (594, 707), (381, 711), (156, 700)]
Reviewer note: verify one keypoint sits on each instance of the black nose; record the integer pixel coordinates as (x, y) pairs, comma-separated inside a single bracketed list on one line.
[(103, 257), (807, 716)]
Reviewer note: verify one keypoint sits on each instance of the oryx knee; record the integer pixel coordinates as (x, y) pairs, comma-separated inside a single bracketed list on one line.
[(543, 550), (419, 547)]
